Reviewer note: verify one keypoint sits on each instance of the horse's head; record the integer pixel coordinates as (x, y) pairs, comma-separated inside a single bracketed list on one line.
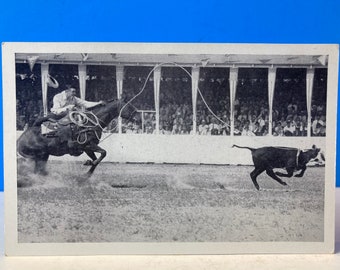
[(127, 110), (113, 109)]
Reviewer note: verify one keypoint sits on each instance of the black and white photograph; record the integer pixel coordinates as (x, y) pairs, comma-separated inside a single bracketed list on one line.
[(169, 148)]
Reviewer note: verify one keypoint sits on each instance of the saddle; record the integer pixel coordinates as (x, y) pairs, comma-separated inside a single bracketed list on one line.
[(74, 119), (50, 127)]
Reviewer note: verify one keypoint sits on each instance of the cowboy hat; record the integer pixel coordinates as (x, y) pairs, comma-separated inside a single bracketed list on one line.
[(52, 82)]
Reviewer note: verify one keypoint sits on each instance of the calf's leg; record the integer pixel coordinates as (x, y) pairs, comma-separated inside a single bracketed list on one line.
[(253, 175), (302, 172), (271, 173), (289, 173)]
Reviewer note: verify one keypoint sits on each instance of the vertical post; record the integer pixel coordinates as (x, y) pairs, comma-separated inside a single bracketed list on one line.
[(195, 74), (119, 81), (44, 80), (271, 91), (309, 93), (232, 83), (82, 80), (143, 121), (156, 85), (120, 125)]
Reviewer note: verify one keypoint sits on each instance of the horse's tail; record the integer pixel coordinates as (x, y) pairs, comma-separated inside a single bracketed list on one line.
[(20, 150), (22, 154), (245, 147)]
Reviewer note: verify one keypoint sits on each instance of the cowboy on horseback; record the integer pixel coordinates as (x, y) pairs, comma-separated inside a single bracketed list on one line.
[(63, 103), (66, 101), (87, 135)]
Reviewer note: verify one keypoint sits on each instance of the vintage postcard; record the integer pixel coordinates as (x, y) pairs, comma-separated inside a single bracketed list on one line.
[(135, 148)]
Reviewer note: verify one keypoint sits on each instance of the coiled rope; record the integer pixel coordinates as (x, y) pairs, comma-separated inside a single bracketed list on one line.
[(85, 120)]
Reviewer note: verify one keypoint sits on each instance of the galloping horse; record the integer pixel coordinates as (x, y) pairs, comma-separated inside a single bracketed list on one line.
[(33, 145)]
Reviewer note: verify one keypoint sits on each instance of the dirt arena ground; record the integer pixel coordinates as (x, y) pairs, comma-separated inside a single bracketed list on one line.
[(166, 203)]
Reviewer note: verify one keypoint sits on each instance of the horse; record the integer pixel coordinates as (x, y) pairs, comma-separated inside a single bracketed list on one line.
[(70, 137)]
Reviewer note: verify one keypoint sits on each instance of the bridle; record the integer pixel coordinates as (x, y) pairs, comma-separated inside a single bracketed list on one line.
[(88, 121)]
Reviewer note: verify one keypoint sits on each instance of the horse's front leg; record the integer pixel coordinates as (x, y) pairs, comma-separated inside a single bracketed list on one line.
[(90, 152), (92, 156)]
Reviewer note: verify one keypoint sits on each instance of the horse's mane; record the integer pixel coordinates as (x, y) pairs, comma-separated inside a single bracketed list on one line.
[(108, 111), (106, 104)]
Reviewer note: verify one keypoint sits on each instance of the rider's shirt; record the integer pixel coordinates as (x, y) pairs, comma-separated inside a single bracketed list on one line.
[(60, 103)]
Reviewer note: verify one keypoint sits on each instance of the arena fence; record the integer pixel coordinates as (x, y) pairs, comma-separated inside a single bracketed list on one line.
[(191, 149)]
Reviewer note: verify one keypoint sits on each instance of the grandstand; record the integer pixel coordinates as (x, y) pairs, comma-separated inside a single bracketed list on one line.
[(207, 100)]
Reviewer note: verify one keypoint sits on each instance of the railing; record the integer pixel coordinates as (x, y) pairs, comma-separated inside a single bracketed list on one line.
[(193, 149)]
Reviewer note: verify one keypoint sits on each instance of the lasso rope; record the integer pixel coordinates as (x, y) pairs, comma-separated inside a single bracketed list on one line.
[(85, 135), (85, 117), (85, 122), (199, 91)]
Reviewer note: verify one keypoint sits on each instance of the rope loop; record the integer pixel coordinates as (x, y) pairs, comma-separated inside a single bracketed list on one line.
[(88, 121), (84, 119)]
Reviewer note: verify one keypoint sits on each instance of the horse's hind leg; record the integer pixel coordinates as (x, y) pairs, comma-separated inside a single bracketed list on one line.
[(40, 165)]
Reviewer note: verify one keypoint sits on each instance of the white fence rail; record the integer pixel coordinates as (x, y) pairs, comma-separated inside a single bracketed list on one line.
[(194, 149)]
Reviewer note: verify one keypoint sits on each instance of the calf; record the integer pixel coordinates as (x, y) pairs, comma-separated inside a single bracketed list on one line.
[(268, 158)]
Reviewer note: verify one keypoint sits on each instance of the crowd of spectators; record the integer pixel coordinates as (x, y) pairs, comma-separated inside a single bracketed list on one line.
[(251, 109), (28, 99), (176, 111)]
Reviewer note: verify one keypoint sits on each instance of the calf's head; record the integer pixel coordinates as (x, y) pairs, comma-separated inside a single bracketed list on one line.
[(311, 153)]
